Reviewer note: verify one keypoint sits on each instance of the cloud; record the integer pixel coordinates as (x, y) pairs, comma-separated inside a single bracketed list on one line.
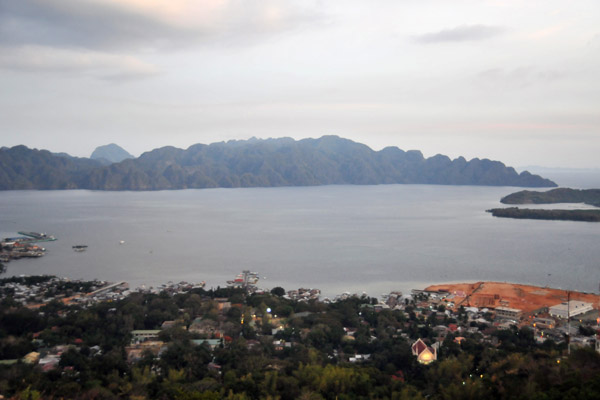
[(142, 24), (520, 77), (68, 61), (107, 38), (460, 34), (548, 31)]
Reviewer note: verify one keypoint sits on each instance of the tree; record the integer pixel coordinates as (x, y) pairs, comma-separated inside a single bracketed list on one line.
[(278, 291)]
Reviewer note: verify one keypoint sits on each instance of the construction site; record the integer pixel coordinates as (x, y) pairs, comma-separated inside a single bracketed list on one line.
[(526, 298)]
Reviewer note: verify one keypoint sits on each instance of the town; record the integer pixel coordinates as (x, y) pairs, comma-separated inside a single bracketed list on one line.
[(245, 341)]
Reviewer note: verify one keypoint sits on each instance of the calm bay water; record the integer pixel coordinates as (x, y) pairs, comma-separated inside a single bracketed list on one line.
[(336, 238)]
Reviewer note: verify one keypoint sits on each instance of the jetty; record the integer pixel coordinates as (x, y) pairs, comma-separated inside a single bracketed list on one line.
[(37, 237)]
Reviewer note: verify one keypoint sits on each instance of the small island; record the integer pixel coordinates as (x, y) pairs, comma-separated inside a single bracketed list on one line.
[(554, 196), (560, 195), (560, 215)]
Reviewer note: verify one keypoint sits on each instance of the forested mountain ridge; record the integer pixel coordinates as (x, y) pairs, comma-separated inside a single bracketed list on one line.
[(22, 168), (263, 163)]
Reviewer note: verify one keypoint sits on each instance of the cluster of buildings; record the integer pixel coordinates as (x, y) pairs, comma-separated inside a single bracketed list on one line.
[(433, 317), (303, 294), (17, 247), (172, 288), (560, 322), (48, 358), (13, 250), (36, 293)]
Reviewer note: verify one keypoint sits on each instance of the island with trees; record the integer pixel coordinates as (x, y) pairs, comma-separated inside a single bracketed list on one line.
[(560, 215), (555, 196)]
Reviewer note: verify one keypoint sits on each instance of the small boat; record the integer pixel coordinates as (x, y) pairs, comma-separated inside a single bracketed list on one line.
[(80, 247)]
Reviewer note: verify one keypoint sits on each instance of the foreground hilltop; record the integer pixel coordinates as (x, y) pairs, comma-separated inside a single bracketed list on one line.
[(257, 163)]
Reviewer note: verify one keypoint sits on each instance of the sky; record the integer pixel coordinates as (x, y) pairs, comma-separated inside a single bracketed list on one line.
[(515, 81)]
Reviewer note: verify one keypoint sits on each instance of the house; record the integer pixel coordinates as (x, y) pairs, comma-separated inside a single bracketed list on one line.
[(425, 354)]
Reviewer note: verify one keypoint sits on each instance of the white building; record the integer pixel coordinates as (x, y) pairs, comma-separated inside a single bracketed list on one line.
[(571, 308)]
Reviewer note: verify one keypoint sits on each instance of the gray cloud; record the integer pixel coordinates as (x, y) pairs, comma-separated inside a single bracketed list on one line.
[(460, 34), (105, 39), (133, 25), (69, 61)]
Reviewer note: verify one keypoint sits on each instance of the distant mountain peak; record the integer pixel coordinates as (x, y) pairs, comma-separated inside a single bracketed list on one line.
[(112, 153)]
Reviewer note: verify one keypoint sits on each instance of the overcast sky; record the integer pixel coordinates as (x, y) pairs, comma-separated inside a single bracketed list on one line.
[(515, 81)]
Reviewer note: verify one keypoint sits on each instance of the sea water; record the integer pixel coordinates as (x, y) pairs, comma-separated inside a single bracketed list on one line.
[(336, 238)]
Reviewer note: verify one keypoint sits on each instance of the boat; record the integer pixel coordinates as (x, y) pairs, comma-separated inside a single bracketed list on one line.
[(38, 237), (80, 247)]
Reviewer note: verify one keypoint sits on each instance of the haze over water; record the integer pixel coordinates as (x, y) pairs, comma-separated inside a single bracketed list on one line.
[(336, 238)]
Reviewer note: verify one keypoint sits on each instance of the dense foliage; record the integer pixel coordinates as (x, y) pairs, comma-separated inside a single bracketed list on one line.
[(272, 162), (251, 363), (24, 168)]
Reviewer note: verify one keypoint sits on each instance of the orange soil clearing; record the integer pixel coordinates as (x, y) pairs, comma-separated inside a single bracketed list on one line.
[(501, 294)]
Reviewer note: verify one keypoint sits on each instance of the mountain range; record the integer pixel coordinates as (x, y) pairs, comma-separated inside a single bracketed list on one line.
[(253, 163)]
